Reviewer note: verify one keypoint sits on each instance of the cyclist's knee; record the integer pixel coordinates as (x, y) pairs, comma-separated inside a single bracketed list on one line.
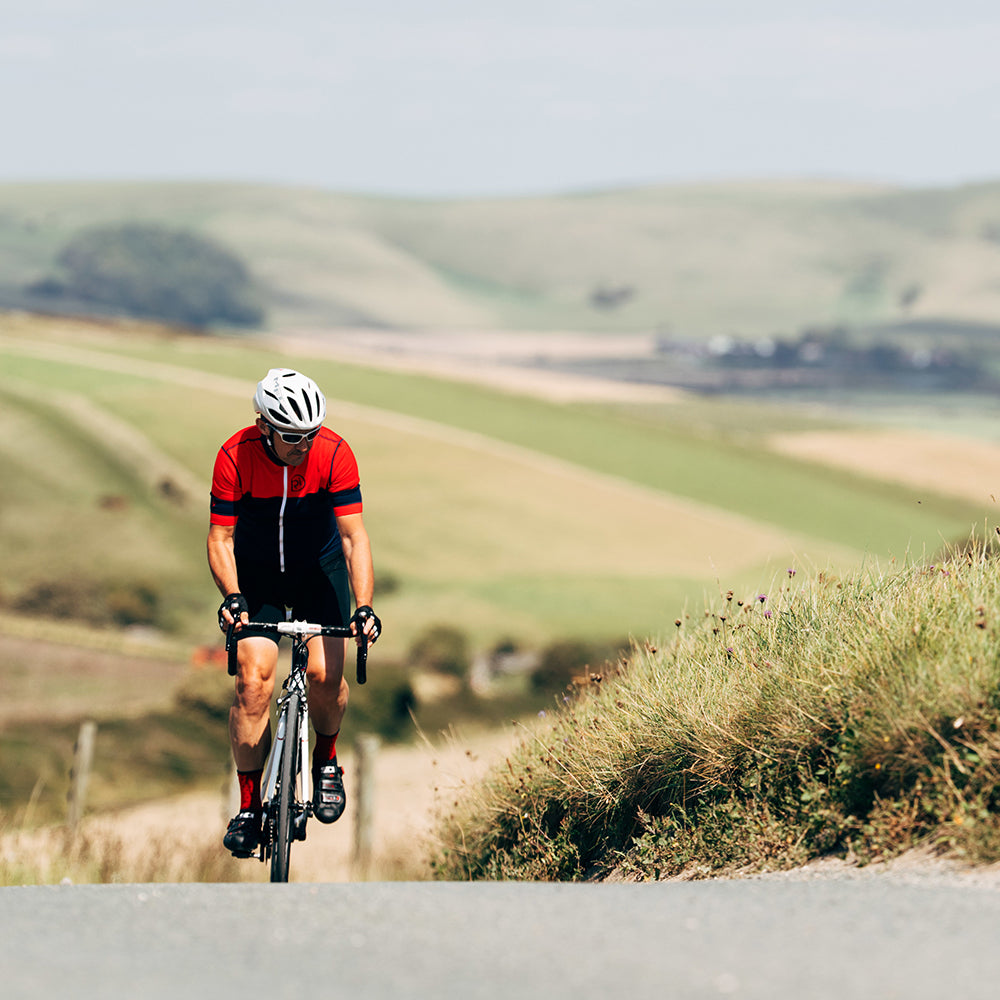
[(334, 686), (326, 663), (253, 692), (255, 679)]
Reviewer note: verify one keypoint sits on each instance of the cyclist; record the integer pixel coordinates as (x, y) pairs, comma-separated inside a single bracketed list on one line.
[(286, 532)]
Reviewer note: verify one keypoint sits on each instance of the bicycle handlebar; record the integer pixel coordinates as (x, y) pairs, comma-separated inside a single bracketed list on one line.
[(300, 631)]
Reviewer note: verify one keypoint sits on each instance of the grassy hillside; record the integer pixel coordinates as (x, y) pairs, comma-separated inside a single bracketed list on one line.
[(855, 716), (745, 259), (515, 516)]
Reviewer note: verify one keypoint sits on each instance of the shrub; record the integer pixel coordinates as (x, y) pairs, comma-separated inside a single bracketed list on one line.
[(150, 271), (441, 648), (92, 601), (570, 661)]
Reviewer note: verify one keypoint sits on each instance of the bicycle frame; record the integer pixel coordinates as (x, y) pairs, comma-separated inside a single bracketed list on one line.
[(295, 683)]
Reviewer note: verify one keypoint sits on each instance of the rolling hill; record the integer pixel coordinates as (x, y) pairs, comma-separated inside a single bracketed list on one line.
[(689, 261)]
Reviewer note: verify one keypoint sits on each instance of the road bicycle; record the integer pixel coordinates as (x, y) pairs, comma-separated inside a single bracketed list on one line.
[(285, 787)]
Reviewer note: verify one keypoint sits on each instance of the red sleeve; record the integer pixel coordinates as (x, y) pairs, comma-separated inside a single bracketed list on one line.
[(226, 488), (344, 482)]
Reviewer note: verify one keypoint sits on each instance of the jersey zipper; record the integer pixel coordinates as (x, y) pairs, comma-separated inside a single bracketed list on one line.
[(281, 522)]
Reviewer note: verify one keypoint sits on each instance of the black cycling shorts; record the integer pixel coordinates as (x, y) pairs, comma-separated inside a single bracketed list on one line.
[(318, 594)]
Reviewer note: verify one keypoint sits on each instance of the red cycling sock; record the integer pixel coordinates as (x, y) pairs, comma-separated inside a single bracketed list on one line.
[(325, 749), (249, 789)]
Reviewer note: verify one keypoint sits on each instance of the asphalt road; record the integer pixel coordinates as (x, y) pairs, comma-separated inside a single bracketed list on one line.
[(772, 940)]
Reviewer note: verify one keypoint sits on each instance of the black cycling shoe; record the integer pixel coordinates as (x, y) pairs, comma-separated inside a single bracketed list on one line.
[(329, 797), (243, 833)]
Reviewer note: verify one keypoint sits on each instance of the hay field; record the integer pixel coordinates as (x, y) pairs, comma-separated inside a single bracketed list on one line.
[(922, 461)]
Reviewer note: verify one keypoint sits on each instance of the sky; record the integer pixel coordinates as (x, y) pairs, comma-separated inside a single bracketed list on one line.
[(459, 98)]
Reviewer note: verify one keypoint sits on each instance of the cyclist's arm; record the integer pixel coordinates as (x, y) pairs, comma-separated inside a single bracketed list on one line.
[(358, 556), (222, 558)]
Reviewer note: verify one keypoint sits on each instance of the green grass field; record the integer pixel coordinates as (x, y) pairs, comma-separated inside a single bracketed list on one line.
[(513, 516)]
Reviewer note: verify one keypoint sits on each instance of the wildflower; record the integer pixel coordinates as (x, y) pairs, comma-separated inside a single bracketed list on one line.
[(762, 598), (541, 714), (791, 572), (767, 614)]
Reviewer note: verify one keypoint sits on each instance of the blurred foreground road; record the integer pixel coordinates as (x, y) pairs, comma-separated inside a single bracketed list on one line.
[(759, 939)]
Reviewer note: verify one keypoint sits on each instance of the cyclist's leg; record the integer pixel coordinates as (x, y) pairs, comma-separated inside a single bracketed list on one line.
[(257, 662), (324, 597), (249, 716), (328, 694), (328, 689), (250, 738)]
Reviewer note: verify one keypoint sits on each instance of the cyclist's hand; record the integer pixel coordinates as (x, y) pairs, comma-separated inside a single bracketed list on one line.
[(365, 620), (233, 608)]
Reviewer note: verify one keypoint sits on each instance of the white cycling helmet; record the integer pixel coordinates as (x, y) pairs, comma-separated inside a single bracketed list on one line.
[(289, 401)]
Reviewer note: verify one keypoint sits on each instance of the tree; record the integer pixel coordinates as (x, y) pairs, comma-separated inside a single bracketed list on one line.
[(151, 271)]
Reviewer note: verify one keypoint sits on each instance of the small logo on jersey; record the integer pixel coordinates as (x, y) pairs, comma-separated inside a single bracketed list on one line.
[(297, 483)]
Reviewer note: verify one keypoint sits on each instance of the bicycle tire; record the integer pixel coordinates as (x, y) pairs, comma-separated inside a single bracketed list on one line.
[(284, 832)]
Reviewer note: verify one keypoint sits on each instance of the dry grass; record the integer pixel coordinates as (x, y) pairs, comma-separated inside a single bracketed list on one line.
[(856, 715), (937, 463), (180, 839), (118, 848)]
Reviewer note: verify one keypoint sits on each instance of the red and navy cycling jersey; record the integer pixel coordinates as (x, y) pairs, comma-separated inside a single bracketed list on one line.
[(285, 516)]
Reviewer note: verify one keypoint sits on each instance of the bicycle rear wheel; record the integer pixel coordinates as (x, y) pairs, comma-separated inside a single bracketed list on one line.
[(284, 796)]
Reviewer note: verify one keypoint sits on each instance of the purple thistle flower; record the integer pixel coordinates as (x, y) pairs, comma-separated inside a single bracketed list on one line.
[(767, 614), (762, 598)]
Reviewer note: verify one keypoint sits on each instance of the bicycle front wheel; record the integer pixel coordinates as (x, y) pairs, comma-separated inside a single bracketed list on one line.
[(284, 796)]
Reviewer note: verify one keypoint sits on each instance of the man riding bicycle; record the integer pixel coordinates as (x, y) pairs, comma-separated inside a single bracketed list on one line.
[(286, 531)]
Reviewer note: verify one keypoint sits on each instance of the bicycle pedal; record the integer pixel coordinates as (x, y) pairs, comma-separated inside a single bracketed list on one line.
[(242, 854)]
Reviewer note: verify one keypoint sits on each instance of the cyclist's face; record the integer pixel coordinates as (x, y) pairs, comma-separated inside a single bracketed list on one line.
[(290, 454)]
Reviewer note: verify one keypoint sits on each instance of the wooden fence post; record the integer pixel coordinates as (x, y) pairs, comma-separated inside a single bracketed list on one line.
[(366, 750), (83, 759)]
